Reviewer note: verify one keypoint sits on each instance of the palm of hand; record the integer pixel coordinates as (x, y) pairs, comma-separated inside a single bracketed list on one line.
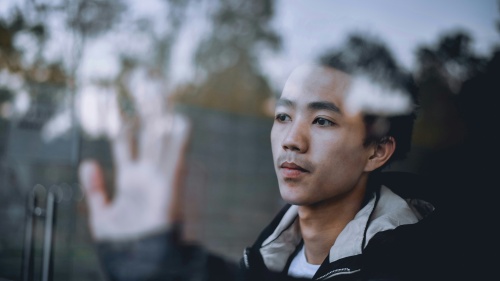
[(147, 184)]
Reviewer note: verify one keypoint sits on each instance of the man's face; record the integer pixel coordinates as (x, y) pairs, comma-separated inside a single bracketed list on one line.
[(317, 144)]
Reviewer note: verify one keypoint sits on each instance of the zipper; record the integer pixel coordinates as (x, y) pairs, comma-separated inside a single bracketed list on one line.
[(338, 271)]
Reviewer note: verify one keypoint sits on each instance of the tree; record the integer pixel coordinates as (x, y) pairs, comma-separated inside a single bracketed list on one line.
[(227, 60), (440, 72)]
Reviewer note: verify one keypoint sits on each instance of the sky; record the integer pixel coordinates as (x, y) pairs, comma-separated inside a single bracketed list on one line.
[(306, 28), (309, 27)]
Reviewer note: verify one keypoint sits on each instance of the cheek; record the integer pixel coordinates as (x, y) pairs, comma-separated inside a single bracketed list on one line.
[(343, 160), (276, 135), (339, 175)]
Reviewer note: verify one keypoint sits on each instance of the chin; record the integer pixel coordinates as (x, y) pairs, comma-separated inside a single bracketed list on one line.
[(292, 198), (295, 193)]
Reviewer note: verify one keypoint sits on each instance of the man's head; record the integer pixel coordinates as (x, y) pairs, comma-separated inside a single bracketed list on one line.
[(330, 132)]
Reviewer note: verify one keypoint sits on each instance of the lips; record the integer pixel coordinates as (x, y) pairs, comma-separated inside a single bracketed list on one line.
[(292, 170), (288, 165)]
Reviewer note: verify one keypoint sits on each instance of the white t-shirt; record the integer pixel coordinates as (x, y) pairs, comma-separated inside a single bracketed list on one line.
[(300, 267)]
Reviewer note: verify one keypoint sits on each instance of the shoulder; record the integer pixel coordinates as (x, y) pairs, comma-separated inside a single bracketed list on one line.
[(408, 252)]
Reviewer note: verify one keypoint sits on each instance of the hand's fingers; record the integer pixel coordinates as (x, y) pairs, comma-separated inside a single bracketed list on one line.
[(154, 135), (164, 142), (175, 142), (91, 178), (124, 144), (176, 213)]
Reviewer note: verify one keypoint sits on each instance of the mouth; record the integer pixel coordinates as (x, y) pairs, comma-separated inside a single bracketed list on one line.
[(292, 170), (292, 166)]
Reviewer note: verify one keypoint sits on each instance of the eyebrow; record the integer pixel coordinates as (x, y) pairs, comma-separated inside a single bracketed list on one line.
[(285, 102), (324, 105), (316, 105)]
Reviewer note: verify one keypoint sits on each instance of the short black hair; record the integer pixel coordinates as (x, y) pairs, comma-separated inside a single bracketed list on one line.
[(368, 56)]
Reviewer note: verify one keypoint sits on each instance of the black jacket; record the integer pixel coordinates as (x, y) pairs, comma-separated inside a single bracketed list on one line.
[(395, 236)]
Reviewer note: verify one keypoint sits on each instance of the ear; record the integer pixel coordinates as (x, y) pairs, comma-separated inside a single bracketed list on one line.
[(381, 152)]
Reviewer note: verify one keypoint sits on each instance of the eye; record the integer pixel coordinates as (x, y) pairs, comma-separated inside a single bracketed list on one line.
[(323, 122), (281, 117)]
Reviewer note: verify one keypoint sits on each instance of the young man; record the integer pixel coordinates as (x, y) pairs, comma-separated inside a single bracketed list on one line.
[(338, 123)]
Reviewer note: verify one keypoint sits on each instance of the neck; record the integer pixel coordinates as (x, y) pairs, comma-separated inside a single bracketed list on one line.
[(321, 223)]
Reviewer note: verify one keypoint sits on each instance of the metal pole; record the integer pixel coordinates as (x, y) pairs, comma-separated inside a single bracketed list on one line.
[(27, 266), (48, 237)]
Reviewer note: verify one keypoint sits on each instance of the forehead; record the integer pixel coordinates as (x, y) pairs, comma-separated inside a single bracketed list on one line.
[(309, 83)]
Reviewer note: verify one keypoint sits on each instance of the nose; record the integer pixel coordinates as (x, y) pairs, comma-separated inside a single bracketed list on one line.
[(296, 138)]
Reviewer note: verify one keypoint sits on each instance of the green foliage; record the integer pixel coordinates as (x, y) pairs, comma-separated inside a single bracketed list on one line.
[(228, 57), (94, 17), (240, 29)]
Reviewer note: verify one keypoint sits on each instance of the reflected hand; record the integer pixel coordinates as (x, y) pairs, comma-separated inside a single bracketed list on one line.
[(149, 166)]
